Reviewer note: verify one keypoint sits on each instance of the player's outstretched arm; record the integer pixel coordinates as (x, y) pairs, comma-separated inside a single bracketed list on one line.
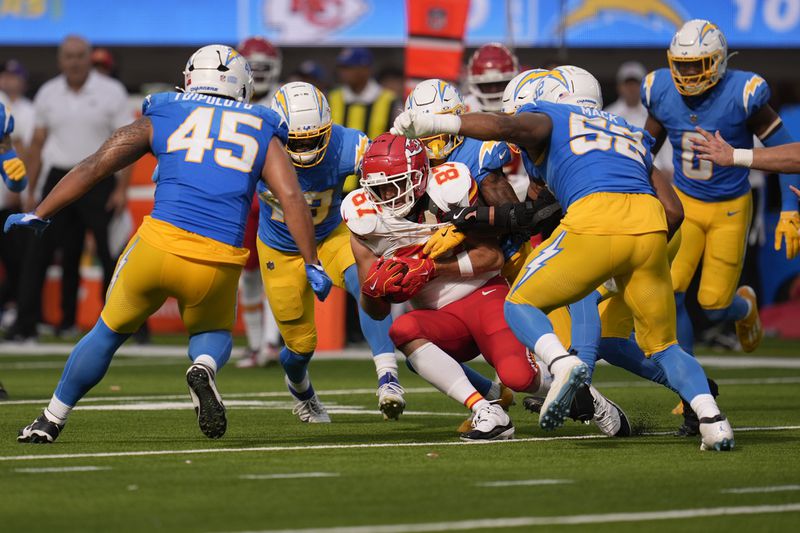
[(669, 199), (783, 158), (377, 308), (496, 189), (530, 131), (123, 148)]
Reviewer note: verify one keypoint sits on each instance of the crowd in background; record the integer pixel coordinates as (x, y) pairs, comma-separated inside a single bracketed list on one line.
[(74, 112)]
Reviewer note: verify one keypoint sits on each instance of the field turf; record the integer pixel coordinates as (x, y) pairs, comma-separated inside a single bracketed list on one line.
[(132, 458)]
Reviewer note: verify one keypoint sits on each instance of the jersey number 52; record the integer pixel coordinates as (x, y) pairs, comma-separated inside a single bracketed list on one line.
[(194, 136)]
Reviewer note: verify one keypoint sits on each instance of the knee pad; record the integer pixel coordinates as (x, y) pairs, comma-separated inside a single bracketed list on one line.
[(404, 330)]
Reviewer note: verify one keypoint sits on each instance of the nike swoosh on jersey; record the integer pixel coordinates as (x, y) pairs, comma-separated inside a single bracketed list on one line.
[(731, 213), (488, 292)]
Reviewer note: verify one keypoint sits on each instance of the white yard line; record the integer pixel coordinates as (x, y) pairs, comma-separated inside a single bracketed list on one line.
[(297, 475), (523, 483), (531, 521), (275, 394), (753, 490), (319, 447), (56, 469)]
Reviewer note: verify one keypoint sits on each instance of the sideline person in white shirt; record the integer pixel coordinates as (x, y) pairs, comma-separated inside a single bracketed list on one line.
[(75, 113)]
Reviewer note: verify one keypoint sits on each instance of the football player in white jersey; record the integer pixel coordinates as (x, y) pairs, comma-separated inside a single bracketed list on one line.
[(458, 298)]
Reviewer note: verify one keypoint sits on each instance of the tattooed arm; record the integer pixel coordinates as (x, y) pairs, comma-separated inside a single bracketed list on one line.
[(123, 148)]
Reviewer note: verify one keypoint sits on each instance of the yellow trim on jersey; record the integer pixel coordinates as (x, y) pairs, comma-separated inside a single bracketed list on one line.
[(177, 241)]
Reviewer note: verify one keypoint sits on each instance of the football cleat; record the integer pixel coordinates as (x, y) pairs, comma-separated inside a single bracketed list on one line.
[(40, 431), (311, 411), (556, 405), (716, 434), (506, 400), (490, 423), (390, 397), (749, 328), (608, 416), (3, 393), (206, 401)]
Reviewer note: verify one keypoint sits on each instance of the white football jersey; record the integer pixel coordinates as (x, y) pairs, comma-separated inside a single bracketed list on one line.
[(449, 186)]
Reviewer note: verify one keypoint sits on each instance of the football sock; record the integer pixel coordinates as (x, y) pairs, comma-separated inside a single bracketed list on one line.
[(532, 327), (738, 309), (252, 297), (586, 329), (444, 373), (376, 332), (216, 345), (57, 411), (682, 371), (385, 363), (88, 362), (684, 323), (302, 390), (705, 406), (625, 353), (481, 383), (294, 364)]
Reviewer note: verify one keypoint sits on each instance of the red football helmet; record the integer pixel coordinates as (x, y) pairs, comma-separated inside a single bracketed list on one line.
[(265, 62), (489, 70), (394, 173)]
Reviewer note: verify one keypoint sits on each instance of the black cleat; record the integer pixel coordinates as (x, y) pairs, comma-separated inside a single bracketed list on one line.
[(207, 401), (40, 431), (3, 393)]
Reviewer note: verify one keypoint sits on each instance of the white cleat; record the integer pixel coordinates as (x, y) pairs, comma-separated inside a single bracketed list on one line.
[(490, 423), (716, 434), (608, 416), (391, 401), (557, 403), (311, 411)]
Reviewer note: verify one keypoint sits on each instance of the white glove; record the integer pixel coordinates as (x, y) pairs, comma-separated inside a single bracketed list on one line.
[(413, 124)]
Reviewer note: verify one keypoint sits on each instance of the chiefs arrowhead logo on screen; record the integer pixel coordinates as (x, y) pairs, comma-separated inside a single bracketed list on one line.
[(308, 20)]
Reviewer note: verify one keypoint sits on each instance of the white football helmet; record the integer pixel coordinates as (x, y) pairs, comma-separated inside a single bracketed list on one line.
[(439, 97), (569, 85), (306, 112), (219, 70), (698, 57), (520, 90)]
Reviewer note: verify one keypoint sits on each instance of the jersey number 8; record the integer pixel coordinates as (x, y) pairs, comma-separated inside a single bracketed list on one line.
[(193, 135)]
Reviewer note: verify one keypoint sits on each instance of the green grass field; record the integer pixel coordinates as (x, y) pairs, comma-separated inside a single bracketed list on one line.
[(132, 458)]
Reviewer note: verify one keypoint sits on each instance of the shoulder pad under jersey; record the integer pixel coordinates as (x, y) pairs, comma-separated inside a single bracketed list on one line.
[(754, 91), (359, 213), (450, 185)]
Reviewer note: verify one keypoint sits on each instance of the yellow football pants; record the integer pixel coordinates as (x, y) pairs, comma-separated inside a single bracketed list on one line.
[(288, 292), (146, 276), (568, 266), (715, 232)]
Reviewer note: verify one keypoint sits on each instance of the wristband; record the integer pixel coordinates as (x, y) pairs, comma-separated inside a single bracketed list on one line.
[(464, 264), (742, 157)]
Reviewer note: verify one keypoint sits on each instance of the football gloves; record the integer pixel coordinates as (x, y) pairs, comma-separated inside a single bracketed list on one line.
[(442, 241), (414, 124), (787, 229), (420, 271), (539, 216), (12, 169), (319, 280), (384, 278)]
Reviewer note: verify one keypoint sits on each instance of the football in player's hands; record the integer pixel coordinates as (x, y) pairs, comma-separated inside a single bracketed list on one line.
[(384, 279)]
